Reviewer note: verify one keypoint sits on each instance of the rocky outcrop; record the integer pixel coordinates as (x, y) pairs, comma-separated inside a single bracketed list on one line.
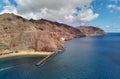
[(91, 31)]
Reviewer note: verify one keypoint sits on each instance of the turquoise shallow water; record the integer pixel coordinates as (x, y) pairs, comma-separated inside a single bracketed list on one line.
[(84, 58)]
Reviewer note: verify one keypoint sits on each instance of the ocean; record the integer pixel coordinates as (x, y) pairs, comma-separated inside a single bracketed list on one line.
[(84, 58)]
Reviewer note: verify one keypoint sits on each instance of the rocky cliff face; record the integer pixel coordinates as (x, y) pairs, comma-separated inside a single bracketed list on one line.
[(63, 30), (17, 33), (91, 31)]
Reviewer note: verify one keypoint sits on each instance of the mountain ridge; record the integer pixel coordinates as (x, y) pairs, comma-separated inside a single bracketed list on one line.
[(17, 33)]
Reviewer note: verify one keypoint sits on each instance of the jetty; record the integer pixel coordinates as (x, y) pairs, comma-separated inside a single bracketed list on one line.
[(47, 58)]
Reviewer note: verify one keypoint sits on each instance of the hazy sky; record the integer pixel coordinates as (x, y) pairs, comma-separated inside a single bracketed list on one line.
[(101, 13)]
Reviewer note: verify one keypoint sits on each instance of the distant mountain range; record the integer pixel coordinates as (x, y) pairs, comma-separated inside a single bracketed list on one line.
[(17, 33)]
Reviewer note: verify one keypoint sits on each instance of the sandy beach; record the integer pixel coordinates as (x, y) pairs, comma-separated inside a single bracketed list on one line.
[(25, 53)]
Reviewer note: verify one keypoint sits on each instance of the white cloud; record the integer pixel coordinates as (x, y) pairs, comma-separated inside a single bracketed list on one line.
[(83, 16), (51, 4), (7, 2), (87, 15), (53, 10), (111, 6), (68, 19), (9, 9), (107, 26)]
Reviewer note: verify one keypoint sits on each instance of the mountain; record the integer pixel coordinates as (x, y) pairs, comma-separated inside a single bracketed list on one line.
[(17, 33), (63, 30), (91, 31)]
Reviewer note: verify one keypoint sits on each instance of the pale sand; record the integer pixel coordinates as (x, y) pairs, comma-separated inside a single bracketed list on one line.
[(25, 53)]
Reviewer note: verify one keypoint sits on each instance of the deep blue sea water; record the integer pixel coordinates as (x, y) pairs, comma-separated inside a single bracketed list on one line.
[(84, 58)]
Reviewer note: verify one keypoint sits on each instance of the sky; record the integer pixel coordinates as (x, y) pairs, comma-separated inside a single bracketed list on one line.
[(104, 14)]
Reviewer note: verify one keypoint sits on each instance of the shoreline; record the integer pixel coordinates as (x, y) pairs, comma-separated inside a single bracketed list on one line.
[(25, 53)]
